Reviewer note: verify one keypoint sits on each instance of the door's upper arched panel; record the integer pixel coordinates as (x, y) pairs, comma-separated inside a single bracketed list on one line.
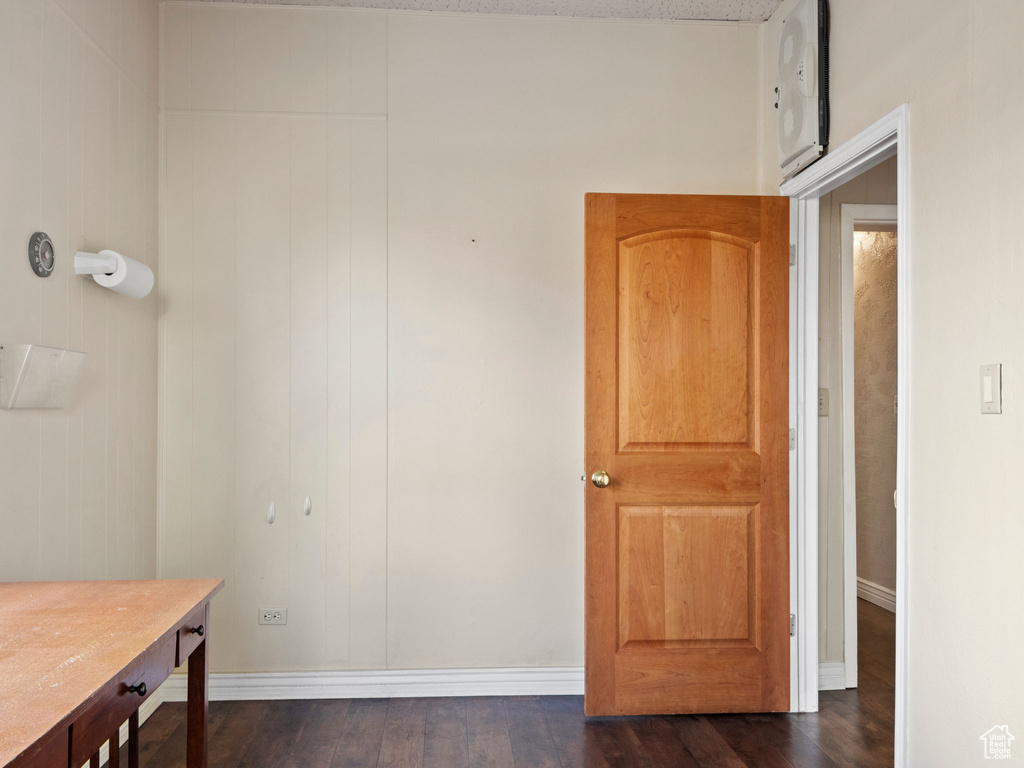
[(685, 346)]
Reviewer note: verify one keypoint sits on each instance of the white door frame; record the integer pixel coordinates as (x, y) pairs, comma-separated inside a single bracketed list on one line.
[(853, 218), (863, 151)]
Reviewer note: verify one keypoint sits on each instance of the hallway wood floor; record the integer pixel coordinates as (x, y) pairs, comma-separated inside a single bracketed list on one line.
[(853, 728)]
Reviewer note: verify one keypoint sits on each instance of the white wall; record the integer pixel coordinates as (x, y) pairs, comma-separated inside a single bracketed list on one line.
[(495, 127), (956, 63), (78, 159)]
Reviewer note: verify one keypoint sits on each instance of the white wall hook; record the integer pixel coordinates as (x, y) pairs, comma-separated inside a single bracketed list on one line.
[(307, 507), (271, 513)]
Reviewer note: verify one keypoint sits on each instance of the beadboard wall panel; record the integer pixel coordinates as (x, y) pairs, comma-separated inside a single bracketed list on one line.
[(274, 327), (79, 131)]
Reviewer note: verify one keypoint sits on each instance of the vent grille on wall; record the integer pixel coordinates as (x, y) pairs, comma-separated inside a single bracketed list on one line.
[(802, 86)]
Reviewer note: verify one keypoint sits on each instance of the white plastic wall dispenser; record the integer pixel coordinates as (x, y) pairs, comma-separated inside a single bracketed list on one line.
[(32, 376)]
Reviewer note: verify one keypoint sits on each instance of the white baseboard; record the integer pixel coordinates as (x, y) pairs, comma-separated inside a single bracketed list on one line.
[(363, 684), (831, 676), (148, 707), (881, 596)]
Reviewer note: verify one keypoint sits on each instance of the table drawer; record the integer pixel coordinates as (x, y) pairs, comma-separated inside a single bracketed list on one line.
[(188, 640), (46, 753), (113, 703)]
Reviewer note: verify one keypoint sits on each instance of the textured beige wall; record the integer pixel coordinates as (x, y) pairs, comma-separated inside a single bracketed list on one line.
[(957, 64), (874, 370), (877, 187), (78, 159), (475, 308)]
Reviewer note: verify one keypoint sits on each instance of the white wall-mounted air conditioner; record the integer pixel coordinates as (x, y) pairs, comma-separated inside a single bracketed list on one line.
[(802, 86)]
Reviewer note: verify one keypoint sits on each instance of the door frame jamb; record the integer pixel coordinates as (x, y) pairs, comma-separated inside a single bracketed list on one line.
[(887, 137)]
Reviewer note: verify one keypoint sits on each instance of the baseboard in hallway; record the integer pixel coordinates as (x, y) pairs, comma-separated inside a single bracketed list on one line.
[(881, 596), (831, 675)]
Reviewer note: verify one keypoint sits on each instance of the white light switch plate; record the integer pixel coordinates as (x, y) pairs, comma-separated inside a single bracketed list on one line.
[(992, 388)]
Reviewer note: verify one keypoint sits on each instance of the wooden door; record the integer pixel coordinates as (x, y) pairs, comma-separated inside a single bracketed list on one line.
[(687, 551)]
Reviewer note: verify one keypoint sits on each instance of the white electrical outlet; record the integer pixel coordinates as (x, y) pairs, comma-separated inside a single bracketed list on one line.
[(273, 616)]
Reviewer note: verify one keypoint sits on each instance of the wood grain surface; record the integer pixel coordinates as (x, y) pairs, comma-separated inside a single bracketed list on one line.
[(684, 297), (63, 642), (853, 729), (687, 595)]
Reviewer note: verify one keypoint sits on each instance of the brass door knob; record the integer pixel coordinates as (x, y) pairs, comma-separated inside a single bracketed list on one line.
[(600, 478)]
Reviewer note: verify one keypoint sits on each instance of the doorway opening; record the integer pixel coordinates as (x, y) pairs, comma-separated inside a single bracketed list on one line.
[(885, 140), (866, 441)]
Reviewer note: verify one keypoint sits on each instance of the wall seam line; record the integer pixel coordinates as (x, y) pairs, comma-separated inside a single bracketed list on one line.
[(276, 113), (39, 303), (470, 14), (387, 351), (98, 48)]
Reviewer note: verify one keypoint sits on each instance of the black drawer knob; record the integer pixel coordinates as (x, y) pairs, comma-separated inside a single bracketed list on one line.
[(139, 689), (198, 630)]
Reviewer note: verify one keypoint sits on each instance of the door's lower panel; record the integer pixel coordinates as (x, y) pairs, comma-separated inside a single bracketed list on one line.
[(704, 680), (687, 573)]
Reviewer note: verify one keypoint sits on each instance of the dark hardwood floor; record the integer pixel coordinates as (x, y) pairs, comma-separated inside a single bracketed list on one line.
[(852, 728)]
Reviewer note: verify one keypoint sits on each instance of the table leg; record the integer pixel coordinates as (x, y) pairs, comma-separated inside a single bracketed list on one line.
[(94, 761), (133, 739), (114, 745), (198, 705)]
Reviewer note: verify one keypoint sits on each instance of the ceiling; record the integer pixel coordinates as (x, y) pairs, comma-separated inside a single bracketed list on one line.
[(731, 10)]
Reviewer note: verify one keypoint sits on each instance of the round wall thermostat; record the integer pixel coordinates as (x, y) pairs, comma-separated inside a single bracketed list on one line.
[(40, 254)]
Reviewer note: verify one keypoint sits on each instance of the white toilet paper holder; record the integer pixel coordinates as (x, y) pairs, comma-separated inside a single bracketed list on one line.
[(115, 271)]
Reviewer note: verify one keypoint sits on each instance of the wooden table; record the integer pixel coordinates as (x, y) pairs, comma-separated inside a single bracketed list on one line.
[(77, 659)]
